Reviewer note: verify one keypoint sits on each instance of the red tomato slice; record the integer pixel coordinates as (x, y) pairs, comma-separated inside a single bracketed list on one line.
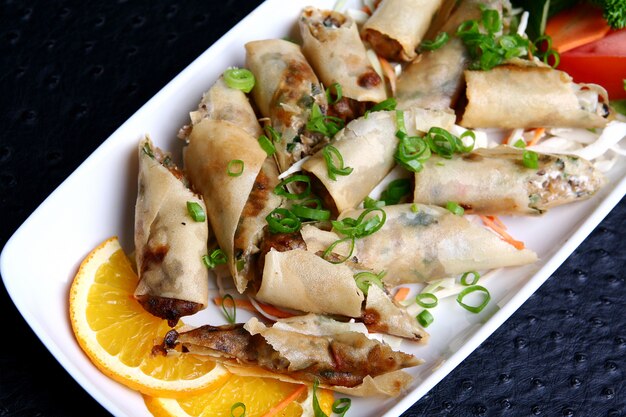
[(601, 62)]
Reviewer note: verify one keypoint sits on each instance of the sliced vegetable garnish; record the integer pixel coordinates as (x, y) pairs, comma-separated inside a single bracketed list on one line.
[(235, 168), (272, 134), (215, 258), (238, 408), (530, 159), (282, 220), (425, 318), (400, 122), (474, 309), (240, 79), (195, 211), (334, 162), (461, 146), (317, 409), (426, 300), (475, 277), (440, 40), (442, 142), (267, 145), (412, 151), (324, 124), (385, 105), (231, 315), (337, 96), (360, 227), (341, 406), (373, 203), (365, 279), (520, 144), (305, 212), (454, 208), (329, 250), (281, 188), (395, 191)]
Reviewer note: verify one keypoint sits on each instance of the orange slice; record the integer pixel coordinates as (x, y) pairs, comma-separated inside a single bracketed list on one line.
[(259, 395), (118, 335)]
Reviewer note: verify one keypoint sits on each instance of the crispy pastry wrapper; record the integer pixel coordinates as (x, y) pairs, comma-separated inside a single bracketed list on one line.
[(324, 32), (392, 319), (169, 244), (495, 181), (368, 145), (435, 79), (285, 90), (213, 144), (432, 243), (525, 94), (396, 28)]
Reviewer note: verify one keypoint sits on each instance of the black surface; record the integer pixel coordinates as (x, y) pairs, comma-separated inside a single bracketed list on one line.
[(72, 72)]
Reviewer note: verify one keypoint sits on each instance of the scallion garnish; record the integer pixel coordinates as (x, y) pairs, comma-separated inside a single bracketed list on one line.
[(148, 150), (365, 279), (530, 159), (442, 142), (491, 20), (195, 211), (461, 146), (239, 78), (426, 300), (334, 162), (281, 188), (412, 152), (360, 227), (305, 212), (231, 315), (329, 251), (415, 208), (425, 318), (475, 277), (338, 93), (543, 49), (317, 409), (238, 406), (272, 134), (520, 144), (215, 258), (385, 105), (324, 124), (372, 203), (454, 208), (267, 145), (235, 168), (400, 122), (282, 220), (341, 406), (474, 309), (395, 191), (440, 40)]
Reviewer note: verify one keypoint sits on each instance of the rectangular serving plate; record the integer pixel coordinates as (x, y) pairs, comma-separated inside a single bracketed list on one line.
[(97, 201)]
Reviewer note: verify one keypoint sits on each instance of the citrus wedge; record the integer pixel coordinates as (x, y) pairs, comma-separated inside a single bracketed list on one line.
[(259, 395), (118, 335)]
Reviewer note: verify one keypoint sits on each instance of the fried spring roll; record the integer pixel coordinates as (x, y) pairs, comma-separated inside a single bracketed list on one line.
[(285, 90), (526, 94), (431, 243), (324, 33), (435, 79), (169, 243), (397, 26), (368, 145), (495, 181), (305, 348)]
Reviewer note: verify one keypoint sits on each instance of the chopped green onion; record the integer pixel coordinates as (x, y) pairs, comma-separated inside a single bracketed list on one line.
[(273, 135), (475, 275), (469, 27), (281, 220), (317, 409), (195, 211), (474, 309), (415, 208), (324, 124), (454, 208), (412, 152), (441, 39), (491, 21), (365, 279), (426, 300), (395, 191), (441, 142), (231, 316), (334, 162), (239, 79), (385, 105), (341, 406), (282, 191), (400, 122), (461, 145), (372, 203), (267, 145), (237, 406), (240, 264), (425, 318), (520, 144), (148, 150), (235, 168), (338, 93), (360, 227), (556, 58), (215, 258), (305, 212), (330, 249), (530, 159)]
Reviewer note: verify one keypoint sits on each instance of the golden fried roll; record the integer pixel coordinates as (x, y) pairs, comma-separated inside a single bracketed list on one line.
[(397, 26), (527, 94), (324, 34), (169, 243), (495, 181)]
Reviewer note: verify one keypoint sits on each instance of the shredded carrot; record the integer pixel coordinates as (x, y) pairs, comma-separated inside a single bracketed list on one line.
[(366, 10), (576, 26), (270, 309), (538, 134), (497, 221), (503, 234), (401, 294), (247, 305), (389, 73), (284, 403)]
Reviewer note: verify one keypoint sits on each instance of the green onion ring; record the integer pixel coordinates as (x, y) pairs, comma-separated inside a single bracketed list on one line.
[(455, 208), (281, 190), (476, 277), (305, 212), (440, 40), (231, 318), (238, 406), (330, 249), (332, 154), (461, 145), (425, 318), (195, 211), (239, 79), (267, 145), (281, 220), (420, 300), (530, 159), (235, 168), (338, 93), (341, 406), (400, 121), (365, 279), (474, 309)]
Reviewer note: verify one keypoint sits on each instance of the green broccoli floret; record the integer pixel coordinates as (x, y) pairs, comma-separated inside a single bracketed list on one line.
[(614, 11)]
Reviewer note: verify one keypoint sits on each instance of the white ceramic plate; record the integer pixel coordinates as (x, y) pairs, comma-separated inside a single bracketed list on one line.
[(96, 202)]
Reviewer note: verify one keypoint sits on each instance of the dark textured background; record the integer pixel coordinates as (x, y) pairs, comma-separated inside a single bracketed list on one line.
[(72, 72)]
